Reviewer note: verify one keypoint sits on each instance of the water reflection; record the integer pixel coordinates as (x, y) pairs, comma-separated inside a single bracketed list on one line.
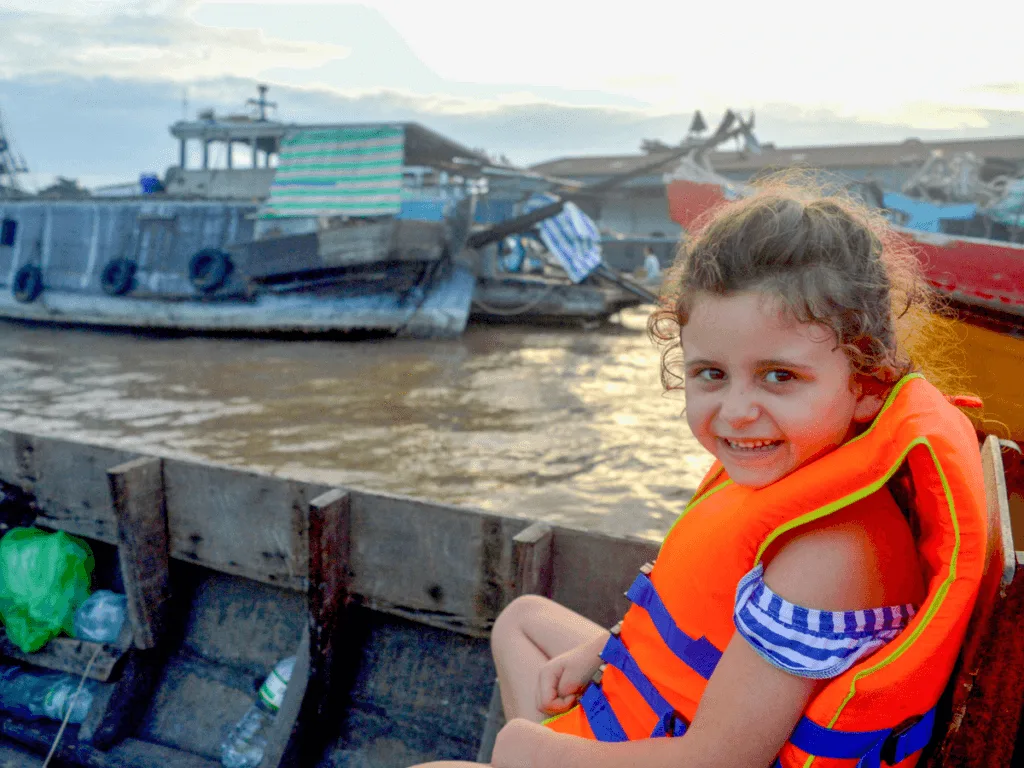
[(562, 425)]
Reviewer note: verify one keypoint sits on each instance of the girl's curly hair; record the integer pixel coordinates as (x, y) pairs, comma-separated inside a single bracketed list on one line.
[(829, 258)]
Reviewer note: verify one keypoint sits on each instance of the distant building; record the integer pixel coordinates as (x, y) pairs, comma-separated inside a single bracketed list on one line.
[(640, 207)]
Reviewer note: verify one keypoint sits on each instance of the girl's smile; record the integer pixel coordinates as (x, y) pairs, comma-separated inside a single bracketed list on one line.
[(766, 393)]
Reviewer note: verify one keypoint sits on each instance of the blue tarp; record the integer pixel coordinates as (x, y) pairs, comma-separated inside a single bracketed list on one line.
[(925, 216), (571, 236)]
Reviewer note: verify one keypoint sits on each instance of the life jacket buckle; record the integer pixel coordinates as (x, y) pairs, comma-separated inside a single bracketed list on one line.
[(888, 752), (670, 720), (646, 569), (596, 679)]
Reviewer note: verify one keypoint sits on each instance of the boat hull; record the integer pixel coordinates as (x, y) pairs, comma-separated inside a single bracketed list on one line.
[(522, 299), (972, 271), (437, 309), (993, 353), (71, 243)]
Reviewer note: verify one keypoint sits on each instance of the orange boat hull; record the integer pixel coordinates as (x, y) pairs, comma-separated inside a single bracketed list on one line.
[(994, 362)]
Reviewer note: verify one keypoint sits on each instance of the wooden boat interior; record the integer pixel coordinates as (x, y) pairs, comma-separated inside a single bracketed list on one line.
[(385, 601)]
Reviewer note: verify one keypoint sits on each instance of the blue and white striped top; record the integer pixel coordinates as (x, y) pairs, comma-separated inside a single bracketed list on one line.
[(805, 641)]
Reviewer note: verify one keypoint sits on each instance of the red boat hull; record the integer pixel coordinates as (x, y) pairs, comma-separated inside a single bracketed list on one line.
[(986, 273)]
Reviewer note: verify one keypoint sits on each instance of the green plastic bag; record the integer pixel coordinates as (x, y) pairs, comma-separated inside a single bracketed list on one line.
[(44, 577)]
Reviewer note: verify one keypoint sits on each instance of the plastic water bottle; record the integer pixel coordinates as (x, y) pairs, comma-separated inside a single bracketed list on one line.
[(244, 746), (35, 695), (101, 616)]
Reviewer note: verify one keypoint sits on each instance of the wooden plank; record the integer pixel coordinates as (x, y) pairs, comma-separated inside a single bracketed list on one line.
[(348, 246), (533, 551), (131, 753), (66, 654), (997, 499), (239, 522), (986, 718), (71, 487), (137, 494), (241, 623), (417, 241), (12, 757), (118, 708), (277, 255), (591, 571), (976, 667), (306, 715), (433, 563), (17, 467), (494, 723), (290, 741), (330, 527), (995, 578), (354, 245)]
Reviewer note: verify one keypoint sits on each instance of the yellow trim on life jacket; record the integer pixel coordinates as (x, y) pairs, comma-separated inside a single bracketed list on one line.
[(559, 716), (698, 499)]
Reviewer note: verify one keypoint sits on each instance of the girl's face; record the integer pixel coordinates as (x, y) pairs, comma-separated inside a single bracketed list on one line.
[(766, 393)]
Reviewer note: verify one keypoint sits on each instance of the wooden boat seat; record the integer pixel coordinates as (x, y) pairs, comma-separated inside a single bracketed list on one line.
[(136, 489), (980, 712)]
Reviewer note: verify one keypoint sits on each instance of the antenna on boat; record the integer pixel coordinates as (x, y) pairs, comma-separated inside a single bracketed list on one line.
[(261, 103), (11, 164)]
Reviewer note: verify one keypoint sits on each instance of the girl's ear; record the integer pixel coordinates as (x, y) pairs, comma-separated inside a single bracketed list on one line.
[(870, 398), (868, 406)]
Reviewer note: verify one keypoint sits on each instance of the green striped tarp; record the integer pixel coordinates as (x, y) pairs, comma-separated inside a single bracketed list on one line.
[(338, 172)]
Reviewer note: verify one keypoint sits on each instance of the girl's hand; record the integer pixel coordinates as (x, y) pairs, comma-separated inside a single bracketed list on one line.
[(563, 679)]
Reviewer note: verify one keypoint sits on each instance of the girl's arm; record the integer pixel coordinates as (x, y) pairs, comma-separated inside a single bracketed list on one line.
[(749, 707), (748, 710)]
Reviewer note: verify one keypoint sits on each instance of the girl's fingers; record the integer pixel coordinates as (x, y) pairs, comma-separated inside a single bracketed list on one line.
[(559, 704), (547, 690), (567, 688)]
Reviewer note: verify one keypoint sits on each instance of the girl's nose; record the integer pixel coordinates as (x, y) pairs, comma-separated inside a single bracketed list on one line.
[(739, 407)]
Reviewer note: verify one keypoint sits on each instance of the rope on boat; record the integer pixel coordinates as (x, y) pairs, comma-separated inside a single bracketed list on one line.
[(70, 707), (518, 310)]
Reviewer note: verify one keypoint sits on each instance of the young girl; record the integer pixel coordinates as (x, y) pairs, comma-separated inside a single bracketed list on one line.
[(808, 606)]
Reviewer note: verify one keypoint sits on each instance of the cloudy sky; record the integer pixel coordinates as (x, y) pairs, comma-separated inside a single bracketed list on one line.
[(89, 87)]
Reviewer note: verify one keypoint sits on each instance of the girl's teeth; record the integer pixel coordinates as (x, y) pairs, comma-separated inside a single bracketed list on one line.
[(750, 444)]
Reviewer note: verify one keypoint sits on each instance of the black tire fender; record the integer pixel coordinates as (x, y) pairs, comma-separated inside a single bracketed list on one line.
[(28, 283), (118, 277), (208, 269)]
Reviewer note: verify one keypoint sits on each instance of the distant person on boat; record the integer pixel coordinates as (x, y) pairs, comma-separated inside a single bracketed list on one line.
[(809, 604), (652, 267)]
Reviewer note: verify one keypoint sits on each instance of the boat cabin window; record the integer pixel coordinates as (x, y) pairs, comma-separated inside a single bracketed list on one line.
[(8, 230)]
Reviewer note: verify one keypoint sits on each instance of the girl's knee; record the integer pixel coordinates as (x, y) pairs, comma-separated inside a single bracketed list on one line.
[(515, 617)]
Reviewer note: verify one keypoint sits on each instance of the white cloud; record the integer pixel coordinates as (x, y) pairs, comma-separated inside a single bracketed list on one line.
[(146, 43)]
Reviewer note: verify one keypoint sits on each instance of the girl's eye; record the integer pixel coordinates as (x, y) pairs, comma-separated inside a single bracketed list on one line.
[(710, 374), (778, 377)]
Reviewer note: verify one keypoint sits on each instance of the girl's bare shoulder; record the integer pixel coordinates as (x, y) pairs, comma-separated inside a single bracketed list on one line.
[(863, 556)]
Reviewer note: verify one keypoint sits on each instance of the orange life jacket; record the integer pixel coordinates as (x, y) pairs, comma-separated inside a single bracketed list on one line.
[(880, 710)]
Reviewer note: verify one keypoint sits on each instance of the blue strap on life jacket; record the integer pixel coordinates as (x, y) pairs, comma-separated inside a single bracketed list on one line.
[(600, 716), (670, 722), (700, 654), (890, 745)]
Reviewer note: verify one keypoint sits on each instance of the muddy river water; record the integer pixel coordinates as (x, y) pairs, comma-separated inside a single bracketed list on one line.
[(564, 425)]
